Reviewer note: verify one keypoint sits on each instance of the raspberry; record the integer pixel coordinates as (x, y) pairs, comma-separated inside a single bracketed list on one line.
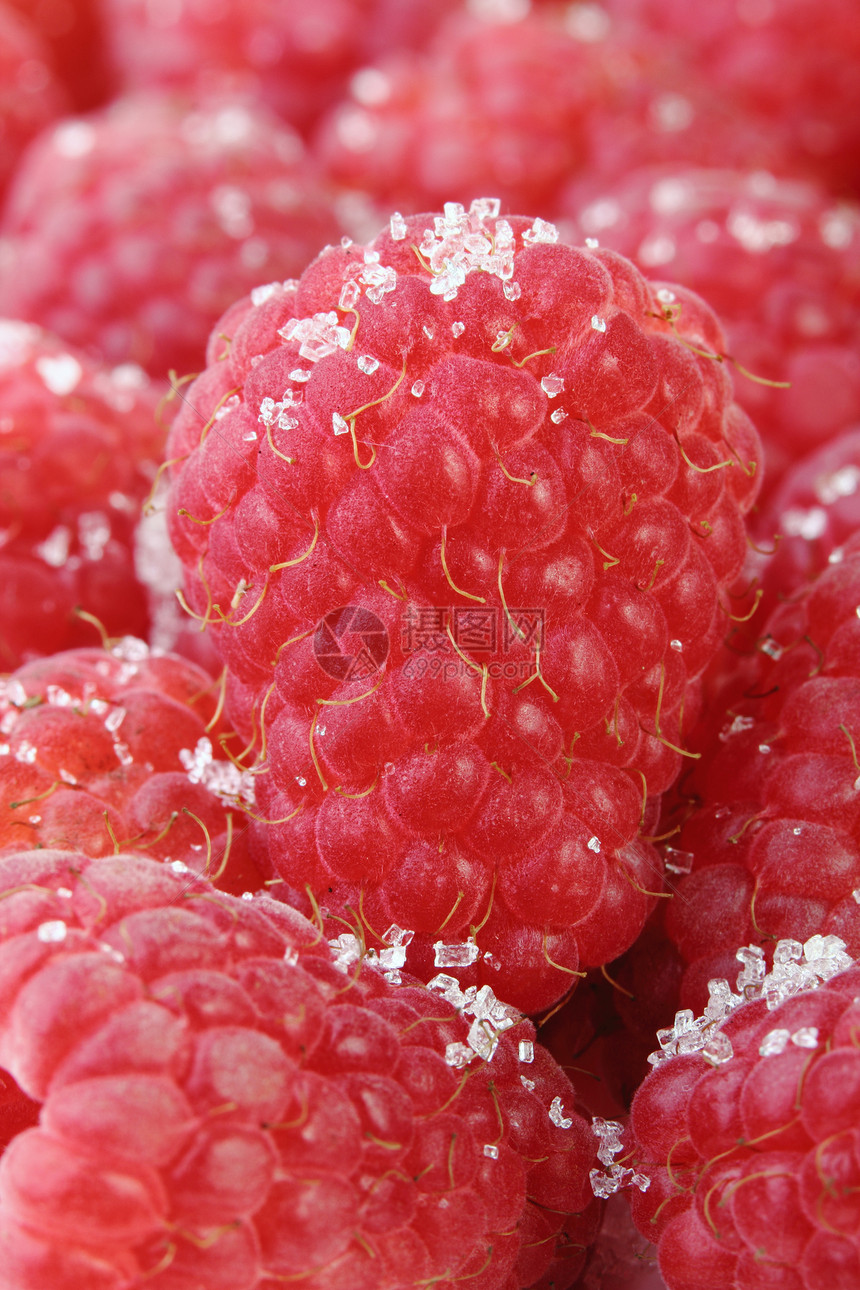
[(496, 104), (780, 262), (78, 448), (103, 748), (476, 777), (747, 1129), (279, 52), (769, 848), (788, 68), (224, 1105), (177, 212), (814, 510), (29, 94)]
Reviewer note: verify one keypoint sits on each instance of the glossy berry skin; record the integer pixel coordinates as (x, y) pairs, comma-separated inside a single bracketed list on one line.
[(517, 448), (109, 748), (79, 446), (771, 842), (779, 259), (753, 1163), (30, 96), (176, 212), (222, 1105)]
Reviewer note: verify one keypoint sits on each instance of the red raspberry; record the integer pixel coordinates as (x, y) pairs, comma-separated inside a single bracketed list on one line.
[(770, 846), (494, 105), (176, 212), (780, 262), (223, 1105), (747, 1129), (287, 54), (108, 748), (813, 511), (29, 94), (790, 67), (78, 448), (527, 440)]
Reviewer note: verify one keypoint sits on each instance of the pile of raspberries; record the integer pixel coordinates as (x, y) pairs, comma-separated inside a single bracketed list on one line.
[(429, 645)]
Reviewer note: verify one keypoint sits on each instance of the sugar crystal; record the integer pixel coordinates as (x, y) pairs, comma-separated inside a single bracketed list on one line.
[(552, 385), (418, 389), (598, 324), (457, 328), (397, 225), (491, 1151), (339, 425), (526, 1051), (556, 1114), (805, 1037), (558, 416), (774, 1043), (53, 932), (368, 364)]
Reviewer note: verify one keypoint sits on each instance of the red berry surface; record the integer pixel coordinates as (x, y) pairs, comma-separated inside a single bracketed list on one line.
[(109, 748), (225, 1105), (129, 231), (30, 96), (769, 846), (459, 544), (289, 55), (787, 67), (493, 105), (71, 32), (779, 259), (79, 444), (747, 1129)]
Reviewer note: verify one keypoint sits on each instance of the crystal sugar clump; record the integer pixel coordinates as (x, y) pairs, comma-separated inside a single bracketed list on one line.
[(606, 1183), (796, 967), (461, 243), (491, 1016)]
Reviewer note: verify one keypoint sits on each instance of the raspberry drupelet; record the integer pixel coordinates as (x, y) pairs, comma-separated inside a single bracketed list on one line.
[(747, 1129), (130, 230), (459, 516), (230, 1102), (79, 446)]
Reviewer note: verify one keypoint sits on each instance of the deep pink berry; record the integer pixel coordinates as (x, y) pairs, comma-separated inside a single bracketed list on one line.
[(114, 748), (176, 212), (79, 446), (747, 1129), (228, 1100), (779, 259), (453, 539)]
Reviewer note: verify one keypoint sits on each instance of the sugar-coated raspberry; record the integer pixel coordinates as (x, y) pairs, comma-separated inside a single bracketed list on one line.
[(107, 748), (29, 94), (226, 1104), (786, 67), (176, 211), (768, 844), (779, 259), (497, 103), (79, 445), (462, 561), (747, 1130)]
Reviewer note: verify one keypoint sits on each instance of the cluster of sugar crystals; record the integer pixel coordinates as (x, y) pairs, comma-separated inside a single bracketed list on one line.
[(796, 967), (605, 1182), (491, 1019), (223, 779), (348, 951), (462, 242), (318, 336)]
